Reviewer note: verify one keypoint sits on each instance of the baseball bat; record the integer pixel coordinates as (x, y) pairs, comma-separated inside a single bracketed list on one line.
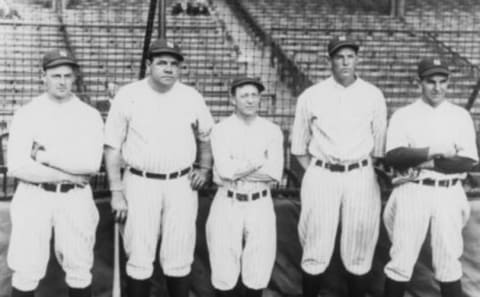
[(116, 292)]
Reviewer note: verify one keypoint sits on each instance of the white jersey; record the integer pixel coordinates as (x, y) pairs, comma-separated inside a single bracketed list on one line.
[(156, 132), (340, 124)]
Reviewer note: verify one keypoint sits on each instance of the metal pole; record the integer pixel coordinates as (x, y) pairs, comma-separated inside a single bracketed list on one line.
[(162, 19), (148, 36)]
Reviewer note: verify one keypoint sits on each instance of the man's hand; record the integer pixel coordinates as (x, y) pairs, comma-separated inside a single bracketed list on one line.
[(119, 206), (198, 178), (36, 147), (81, 180)]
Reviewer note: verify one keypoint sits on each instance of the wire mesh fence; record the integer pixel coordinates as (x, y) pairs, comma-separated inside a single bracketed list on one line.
[(282, 42)]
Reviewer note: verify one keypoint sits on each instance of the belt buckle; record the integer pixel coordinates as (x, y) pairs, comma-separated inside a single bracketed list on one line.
[(241, 197), (337, 167)]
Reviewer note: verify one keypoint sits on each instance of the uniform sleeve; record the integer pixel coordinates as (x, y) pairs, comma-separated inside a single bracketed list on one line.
[(379, 126), (204, 120), (116, 126), (396, 133), (273, 167), (467, 146), (301, 132), (20, 141), (88, 150)]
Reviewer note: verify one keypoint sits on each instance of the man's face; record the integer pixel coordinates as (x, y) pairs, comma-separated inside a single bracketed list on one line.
[(164, 70), (246, 100), (59, 81), (434, 88), (344, 63)]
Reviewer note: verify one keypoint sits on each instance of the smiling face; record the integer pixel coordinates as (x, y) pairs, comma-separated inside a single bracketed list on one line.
[(59, 81), (164, 70), (434, 88), (246, 99), (343, 63)]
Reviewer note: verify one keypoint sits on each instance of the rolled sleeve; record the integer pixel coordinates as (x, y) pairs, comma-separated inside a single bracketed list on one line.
[(204, 120), (116, 126)]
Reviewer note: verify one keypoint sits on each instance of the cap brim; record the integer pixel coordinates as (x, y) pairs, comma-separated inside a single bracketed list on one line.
[(433, 71), (340, 45), (60, 62), (167, 52), (258, 84)]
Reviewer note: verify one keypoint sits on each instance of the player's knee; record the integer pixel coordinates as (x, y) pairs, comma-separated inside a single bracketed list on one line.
[(139, 272), (24, 282)]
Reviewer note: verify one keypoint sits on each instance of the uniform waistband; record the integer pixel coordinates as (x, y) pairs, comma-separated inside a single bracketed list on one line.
[(171, 175), (341, 167), (437, 182), (246, 196), (57, 187)]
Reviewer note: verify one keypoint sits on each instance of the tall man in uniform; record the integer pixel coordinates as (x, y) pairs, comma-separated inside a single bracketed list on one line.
[(241, 226), (153, 125), (55, 144), (432, 143), (338, 131)]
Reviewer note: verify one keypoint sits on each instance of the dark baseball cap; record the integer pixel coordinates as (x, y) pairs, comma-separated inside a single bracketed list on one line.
[(431, 66), (339, 42), (56, 58), (244, 80), (162, 46)]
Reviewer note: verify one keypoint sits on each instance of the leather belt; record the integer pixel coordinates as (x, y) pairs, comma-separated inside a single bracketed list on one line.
[(341, 167), (437, 183), (58, 188), (171, 175), (247, 197)]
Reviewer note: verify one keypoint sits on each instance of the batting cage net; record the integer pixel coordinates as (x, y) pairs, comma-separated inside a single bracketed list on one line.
[(281, 42)]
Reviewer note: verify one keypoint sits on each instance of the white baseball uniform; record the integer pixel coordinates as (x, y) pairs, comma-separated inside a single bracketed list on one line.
[(72, 134), (413, 209), (339, 126), (241, 226), (156, 134)]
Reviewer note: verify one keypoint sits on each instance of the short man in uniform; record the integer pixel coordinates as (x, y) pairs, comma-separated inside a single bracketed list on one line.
[(153, 125), (241, 227), (338, 131), (55, 144), (432, 143)]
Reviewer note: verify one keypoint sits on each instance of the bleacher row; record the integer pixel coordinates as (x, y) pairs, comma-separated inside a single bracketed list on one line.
[(107, 39)]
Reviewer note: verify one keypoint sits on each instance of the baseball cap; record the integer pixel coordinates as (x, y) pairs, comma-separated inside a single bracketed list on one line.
[(56, 58), (243, 80), (431, 66), (338, 42), (162, 46)]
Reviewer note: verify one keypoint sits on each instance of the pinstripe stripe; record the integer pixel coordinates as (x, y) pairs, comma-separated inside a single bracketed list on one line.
[(328, 198), (411, 212), (231, 222)]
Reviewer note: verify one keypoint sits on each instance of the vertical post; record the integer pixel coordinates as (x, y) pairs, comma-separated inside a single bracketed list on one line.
[(148, 36), (162, 19)]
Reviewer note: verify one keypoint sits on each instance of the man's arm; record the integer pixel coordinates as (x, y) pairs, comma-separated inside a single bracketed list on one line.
[(199, 175), (113, 164), (272, 169), (86, 155), (19, 160), (379, 127)]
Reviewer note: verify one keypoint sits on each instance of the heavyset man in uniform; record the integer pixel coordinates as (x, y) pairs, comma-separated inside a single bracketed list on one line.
[(159, 142)]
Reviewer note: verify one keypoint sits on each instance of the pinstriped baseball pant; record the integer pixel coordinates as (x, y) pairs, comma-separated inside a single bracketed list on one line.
[(73, 217), (230, 222), (159, 207), (412, 210), (329, 198)]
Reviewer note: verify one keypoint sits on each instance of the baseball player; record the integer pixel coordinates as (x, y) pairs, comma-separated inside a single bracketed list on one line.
[(339, 127), (153, 126), (435, 140), (241, 226), (55, 144)]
